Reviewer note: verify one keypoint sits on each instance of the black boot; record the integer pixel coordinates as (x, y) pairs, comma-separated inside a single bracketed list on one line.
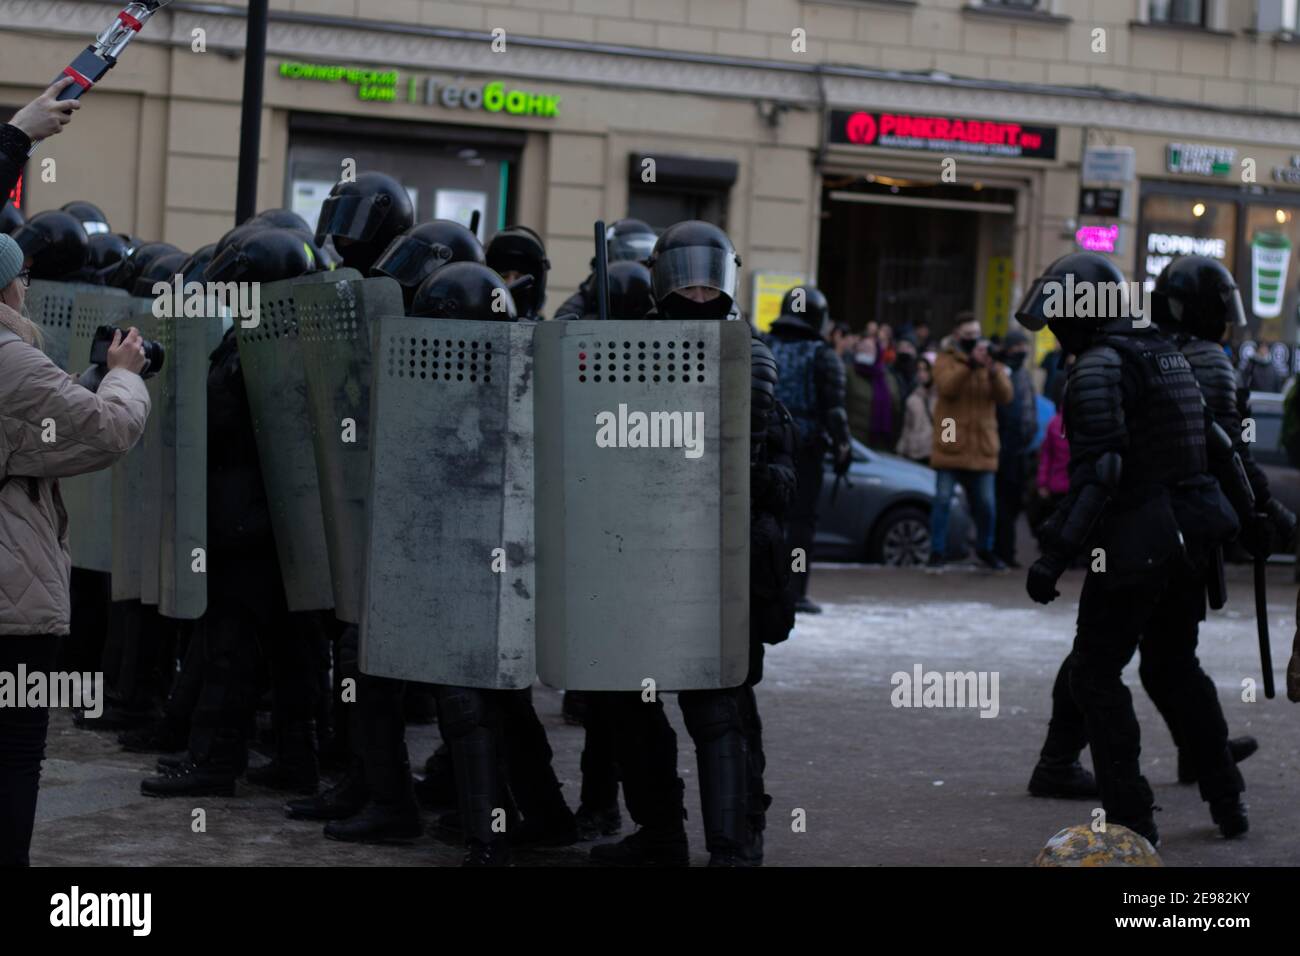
[(596, 822), (295, 766), (724, 788), (1065, 781), (1230, 814), (438, 788), (496, 853), (1239, 747), (191, 780), (343, 800), (391, 815), (648, 846)]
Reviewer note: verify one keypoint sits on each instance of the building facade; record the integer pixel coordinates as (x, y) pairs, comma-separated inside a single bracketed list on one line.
[(913, 158)]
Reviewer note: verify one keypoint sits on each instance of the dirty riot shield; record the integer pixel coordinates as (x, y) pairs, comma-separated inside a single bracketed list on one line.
[(137, 486), (449, 593), (49, 304), (270, 354), (88, 498), (183, 462), (642, 504), (335, 322)]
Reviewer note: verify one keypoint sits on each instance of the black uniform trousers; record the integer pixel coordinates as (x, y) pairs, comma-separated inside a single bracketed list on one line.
[(728, 736), (801, 520), (1159, 612)]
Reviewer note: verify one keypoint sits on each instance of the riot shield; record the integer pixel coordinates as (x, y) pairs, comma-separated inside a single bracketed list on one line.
[(137, 488), (642, 504), (183, 465), (335, 330), (449, 556), (50, 305), (270, 354), (88, 498)]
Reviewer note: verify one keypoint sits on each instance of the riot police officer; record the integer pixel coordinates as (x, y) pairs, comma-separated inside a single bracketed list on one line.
[(498, 745), (694, 272), (55, 243), (246, 601), (626, 240), (812, 388), (518, 255), (420, 251), (1145, 511), (361, 217)]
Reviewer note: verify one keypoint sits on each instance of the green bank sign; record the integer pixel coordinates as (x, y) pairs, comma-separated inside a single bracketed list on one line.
[(387, 86)]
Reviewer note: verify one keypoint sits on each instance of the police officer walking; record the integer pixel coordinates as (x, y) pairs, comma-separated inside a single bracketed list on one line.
[(1141, 454), (812, 387)]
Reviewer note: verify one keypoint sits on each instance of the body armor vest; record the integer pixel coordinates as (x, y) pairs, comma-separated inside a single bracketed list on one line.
[(797, 386)]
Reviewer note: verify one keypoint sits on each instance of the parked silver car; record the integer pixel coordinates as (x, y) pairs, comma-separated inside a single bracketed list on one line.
[(881, 513)]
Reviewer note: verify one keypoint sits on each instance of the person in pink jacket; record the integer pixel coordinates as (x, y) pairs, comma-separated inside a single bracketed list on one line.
[(50, 428), (1053, 469)]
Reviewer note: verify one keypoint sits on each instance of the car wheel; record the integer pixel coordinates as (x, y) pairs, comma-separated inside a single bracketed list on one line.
[(901, 538)]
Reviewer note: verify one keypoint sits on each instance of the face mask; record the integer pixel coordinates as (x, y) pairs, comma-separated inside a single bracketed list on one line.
[(1015, 360), (967, 345), (675, 306)]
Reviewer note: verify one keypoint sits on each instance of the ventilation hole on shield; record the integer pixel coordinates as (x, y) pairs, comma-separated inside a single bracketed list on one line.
[(473, 378), (655, 344), (656, 378), (640, 378), (671, 345), (671, 367), (627, 378), (699, 345), (700, 379), (460, 378), (460, 366), (597, 378), (582, 345), (487, 378), (446, 377), (640, 345), (671, 378), (424, 375)]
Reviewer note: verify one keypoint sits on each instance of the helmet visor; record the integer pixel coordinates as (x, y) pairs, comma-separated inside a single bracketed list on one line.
[(678, 269), (1234, 313), (226, 267), (631, 245), (411, 261), (353, 217), (1032, 312)]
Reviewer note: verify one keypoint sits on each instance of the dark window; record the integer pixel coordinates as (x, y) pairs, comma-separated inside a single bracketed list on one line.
[(682, 188), (1188, 12), (1014, 4)]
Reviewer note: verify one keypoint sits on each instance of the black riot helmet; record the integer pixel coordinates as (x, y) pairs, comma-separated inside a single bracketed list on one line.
[(629, 239), (281, 219), (133, 266), (465, 290), (1075, 297), (163, 268), (694, 255), (265, 255), (90, 216), (629, 290), (520, 249), (11, 217), (363, 217), (234, 237), (420, 251), (106, 250), (805, 306), (196, 265), (55, 242), (1199, 296)]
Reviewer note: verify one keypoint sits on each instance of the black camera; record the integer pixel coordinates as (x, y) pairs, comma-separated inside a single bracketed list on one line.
[(153, 351), (93, 376)]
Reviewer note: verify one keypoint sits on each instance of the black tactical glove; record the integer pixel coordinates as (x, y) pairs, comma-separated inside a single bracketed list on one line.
[(1043, 575), (1284, 524)]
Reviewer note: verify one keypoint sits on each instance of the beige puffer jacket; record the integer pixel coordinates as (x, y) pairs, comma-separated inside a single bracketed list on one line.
[(90, 430)]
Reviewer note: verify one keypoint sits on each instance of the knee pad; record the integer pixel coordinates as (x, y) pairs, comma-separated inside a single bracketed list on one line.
[(462, 710), (710, 714)]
